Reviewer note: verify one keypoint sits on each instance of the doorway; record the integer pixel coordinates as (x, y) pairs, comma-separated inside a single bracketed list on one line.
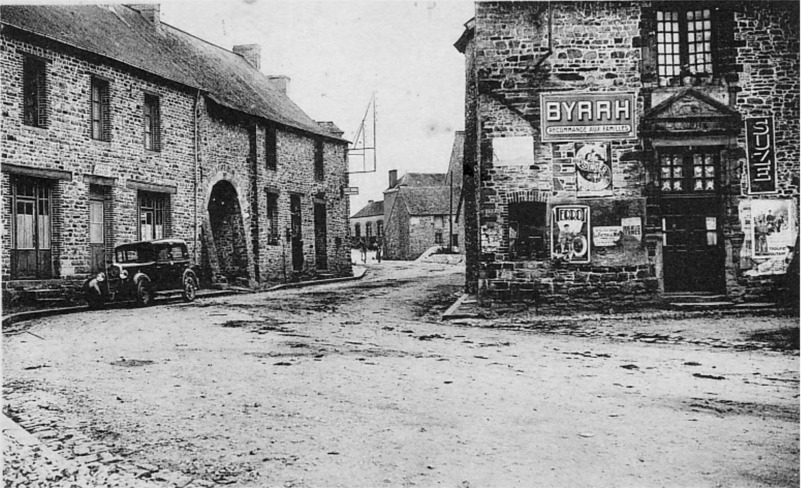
[(228, 232), (296, 228), (693, 255), (32, 228), (97, 229), (320, 236)]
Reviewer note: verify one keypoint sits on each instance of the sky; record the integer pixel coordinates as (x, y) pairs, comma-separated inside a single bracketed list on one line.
[(338, 53)]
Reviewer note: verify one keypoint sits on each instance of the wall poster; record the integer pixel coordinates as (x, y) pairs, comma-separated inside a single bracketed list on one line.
[(593, 169), (570, 233), (772, 227)]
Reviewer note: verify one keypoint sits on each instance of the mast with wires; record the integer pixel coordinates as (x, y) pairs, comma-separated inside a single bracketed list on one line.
[(362, 157)]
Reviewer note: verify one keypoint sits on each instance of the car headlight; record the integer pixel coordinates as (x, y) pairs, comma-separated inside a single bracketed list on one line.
[(101, 277), (124, 274)]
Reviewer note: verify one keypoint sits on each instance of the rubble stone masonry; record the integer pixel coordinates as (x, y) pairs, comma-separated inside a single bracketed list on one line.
[(516, 51)]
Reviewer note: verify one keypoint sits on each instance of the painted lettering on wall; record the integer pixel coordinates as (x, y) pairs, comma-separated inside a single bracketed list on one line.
[(761, 151), (570, 116)]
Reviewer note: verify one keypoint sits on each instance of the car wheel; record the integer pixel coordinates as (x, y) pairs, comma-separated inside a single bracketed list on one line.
[(144, 294), (190, 288)]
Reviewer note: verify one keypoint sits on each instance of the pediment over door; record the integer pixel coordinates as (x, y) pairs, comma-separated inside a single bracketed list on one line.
[(690, 112)]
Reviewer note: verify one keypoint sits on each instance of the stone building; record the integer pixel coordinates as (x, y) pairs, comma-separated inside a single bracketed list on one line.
[(638, 149), (423, 210), (117, 127), (368, 223)]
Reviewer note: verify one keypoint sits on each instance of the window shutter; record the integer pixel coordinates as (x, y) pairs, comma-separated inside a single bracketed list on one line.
[(156, 124), (41, 95), (724, 50), (648, 39), (105, 111)]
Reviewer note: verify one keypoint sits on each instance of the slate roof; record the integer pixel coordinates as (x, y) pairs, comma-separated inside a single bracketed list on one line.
[(372, 209), (432, 200), (123, 34), (421, 179)]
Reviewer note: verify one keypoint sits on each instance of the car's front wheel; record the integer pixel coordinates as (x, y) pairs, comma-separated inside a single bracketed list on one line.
[(144, 293), (190, 288)]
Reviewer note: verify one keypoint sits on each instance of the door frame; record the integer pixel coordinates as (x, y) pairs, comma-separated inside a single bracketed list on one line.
[(42, 256)]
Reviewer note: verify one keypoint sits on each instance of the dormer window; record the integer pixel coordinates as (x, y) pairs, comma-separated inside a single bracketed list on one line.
[(684, 42)]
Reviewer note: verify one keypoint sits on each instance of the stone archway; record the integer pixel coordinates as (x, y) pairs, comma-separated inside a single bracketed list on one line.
[(228, 232)]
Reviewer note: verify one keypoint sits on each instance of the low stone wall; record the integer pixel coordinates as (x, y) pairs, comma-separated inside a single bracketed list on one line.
[(583, 287)]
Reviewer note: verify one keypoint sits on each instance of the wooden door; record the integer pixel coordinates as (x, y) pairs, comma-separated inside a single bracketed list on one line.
[(320, 236), (97, 235), (296, 227), (32, 232)]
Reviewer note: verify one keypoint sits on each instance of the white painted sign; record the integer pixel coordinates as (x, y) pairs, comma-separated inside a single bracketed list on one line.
[(606, 236), (513, 151)]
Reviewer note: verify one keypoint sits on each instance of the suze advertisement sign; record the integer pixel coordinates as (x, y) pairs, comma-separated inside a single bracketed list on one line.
[(761, 150), (575, 116)]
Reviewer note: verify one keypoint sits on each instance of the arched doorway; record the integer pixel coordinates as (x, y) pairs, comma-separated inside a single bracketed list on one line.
[(228, 232)]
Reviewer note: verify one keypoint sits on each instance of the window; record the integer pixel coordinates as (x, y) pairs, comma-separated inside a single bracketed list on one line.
[(455, 240), (272, 218), (152, 123), (439, 221), (693, 171), (319, 166), (101, 127), (684, 42), (153, 212), (357, 230), (528, 230), (270, 147), (438, 237), (379, 228), (368, 230), (34, 92)]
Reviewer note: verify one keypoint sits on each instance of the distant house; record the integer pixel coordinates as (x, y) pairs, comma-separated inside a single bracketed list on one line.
[(421, 210), (117, 127), (368, 223)]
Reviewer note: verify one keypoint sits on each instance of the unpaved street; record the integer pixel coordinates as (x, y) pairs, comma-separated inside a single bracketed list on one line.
[(359, 384)]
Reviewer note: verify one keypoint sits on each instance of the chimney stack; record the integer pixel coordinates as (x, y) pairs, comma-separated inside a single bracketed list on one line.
[(251, 53), (280, 82), (150, 11), (393, 177)]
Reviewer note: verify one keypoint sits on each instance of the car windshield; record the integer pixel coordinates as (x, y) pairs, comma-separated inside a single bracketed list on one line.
[(132, 255)]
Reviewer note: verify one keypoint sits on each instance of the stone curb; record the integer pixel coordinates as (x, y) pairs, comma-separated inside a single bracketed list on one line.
[(24, 438), (303, 284), (36, 314), (12, 319)]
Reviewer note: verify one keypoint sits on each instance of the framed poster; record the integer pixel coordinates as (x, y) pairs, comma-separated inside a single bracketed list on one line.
[(570, 233), (772, 227), (593, 170)]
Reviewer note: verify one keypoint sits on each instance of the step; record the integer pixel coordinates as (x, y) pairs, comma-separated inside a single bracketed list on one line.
[(702, 305), (694, 297)]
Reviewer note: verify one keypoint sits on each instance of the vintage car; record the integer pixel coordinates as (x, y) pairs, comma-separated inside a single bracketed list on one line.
[(142, 269)]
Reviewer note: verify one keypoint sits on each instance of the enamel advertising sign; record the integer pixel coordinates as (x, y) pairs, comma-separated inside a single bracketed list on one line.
[(575, 116), (761, 150)]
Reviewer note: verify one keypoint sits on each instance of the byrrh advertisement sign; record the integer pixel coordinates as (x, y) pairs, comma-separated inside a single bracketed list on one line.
[(572, 116)]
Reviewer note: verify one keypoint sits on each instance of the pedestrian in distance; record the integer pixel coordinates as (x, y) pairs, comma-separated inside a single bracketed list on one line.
[(363, 249)]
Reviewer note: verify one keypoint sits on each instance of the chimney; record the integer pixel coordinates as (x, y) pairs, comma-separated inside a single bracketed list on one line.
[(251, 53), (393, 177), (280, 82), (150, 11)]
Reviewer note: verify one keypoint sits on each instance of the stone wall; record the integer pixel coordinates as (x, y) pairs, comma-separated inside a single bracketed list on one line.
[(522, 50), (518, 51), (65, 144), (231, 150)]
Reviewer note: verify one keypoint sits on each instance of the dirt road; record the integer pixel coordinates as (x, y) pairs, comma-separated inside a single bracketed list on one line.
[(358, 384)]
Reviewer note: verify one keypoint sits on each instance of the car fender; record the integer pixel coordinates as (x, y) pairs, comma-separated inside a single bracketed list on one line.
[(138, 277), (189, 272)]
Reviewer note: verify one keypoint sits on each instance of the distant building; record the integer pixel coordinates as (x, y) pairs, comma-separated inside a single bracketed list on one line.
[(117, 127), (368, 224), (422, 210), (628, 149)]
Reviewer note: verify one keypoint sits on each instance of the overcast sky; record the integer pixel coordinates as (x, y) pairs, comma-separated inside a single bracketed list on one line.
[(337, 53)]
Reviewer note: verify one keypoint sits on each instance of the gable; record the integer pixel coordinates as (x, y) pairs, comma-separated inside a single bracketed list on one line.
[(690, 111)]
